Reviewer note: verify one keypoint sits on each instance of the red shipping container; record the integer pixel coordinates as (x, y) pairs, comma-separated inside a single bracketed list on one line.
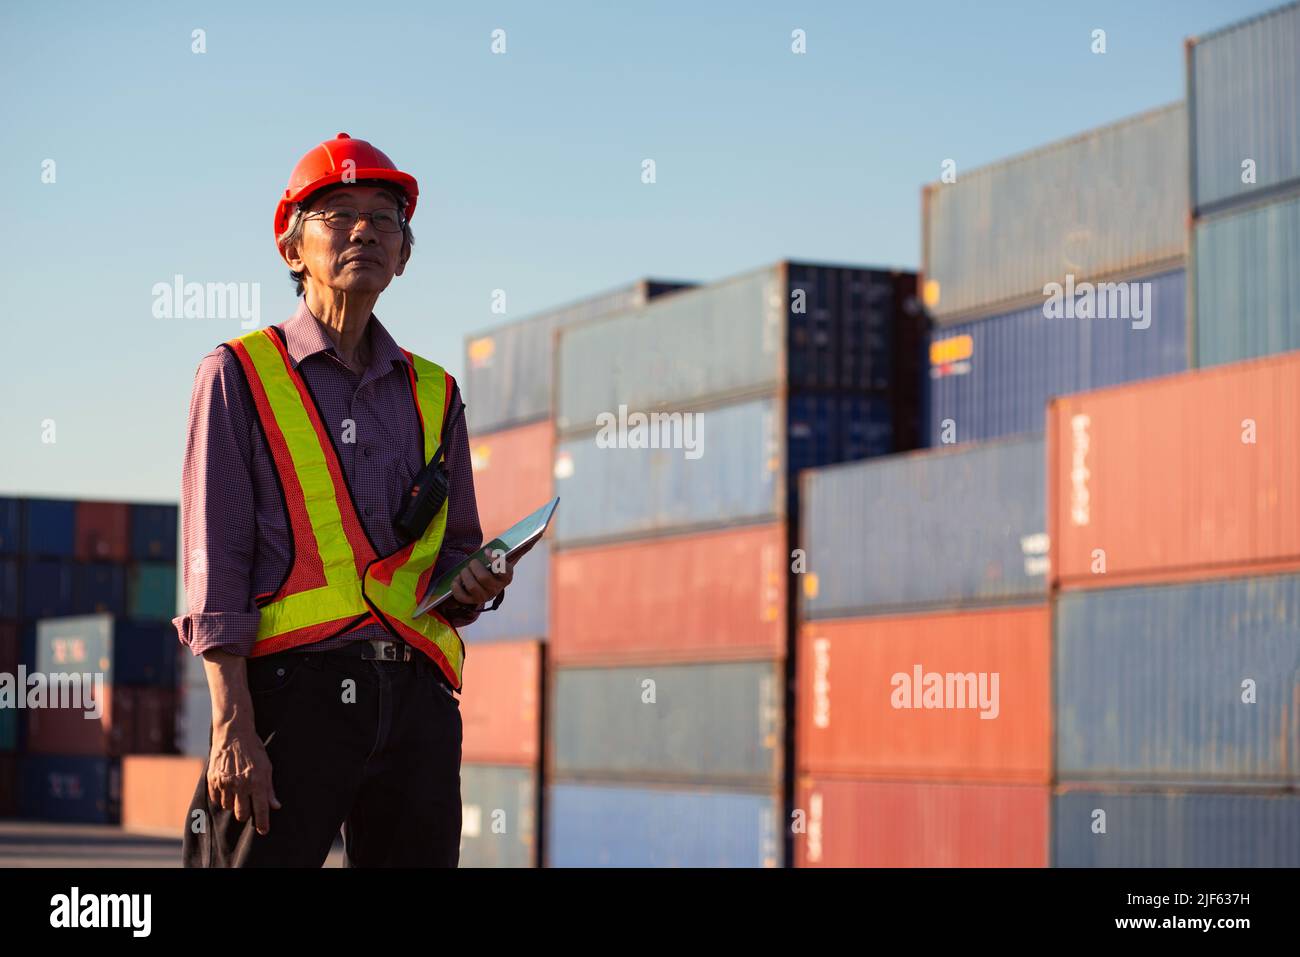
[(512, 474), (1188, 476), (960, 696), (103, 531), (156, 792), (712, 596), (69, 731), (500, 708), (154, 731), (851, 823), (10, 647)]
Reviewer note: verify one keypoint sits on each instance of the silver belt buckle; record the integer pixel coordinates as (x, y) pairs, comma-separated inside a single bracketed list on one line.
[(387, 650)]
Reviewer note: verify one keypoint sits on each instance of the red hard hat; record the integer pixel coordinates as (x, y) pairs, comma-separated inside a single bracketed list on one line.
[(329, 163)]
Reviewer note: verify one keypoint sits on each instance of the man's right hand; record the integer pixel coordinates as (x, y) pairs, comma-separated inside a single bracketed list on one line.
[(239, 769)]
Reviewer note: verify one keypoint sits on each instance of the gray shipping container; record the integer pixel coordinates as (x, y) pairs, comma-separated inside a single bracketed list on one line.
[(940, 528), (498, 816), (1243, 90), (1108, 202), (525, 610), (698, 723), (1175, 829), (608, 493), (507, 378), (1191, 683), (615, 826), (1247, 275)]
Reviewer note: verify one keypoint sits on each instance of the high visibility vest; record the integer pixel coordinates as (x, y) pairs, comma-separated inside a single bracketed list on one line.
[(337, 581)]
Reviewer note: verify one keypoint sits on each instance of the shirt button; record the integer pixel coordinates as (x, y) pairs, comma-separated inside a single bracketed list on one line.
[(366, 451), (369, 510)]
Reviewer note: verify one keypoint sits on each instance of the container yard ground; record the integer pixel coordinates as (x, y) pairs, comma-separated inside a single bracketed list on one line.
[(45, 844)]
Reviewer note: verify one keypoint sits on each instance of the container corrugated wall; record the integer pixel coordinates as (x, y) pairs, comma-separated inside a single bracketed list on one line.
[(512, 474), (608, 493), (498, 816), (525, 609), (1109, 202), (915, 824), (1244, 94), (608, 826), (1248, 282), (1188, 476), (1175, 829), (500, 706), (941, 528), (993, 377), (507, 380), (70, 788), (700, 723), (1152, 683)]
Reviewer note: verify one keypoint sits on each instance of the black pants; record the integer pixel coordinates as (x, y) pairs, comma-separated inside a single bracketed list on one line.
[(372, 746)]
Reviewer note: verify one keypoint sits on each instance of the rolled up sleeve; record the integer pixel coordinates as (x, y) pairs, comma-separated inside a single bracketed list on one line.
[(218, 522)]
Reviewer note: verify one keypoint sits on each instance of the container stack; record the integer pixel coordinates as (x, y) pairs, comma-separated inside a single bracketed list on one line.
[(507, 391), (1243, 86), (680, 428), (85, 588), (1103, 216), (1176, 577), (923, 698)]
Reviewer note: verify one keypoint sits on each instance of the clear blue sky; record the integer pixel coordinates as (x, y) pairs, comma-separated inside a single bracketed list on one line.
[(529, 163)]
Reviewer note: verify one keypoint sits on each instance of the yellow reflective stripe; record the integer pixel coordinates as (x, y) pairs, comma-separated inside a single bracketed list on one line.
[(431, 393), (309, 462), (312, 607)]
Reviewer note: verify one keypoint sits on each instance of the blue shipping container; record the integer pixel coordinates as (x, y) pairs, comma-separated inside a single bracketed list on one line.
[(10, 605), (67, 788), (153, 532), (1185, 683), (1175, 829), (992, 377), (11, 526), (963, 526), (50, 527), (8, 728), (99, 587), (47, 587), (525, 610), (125, 651), (607, 826)]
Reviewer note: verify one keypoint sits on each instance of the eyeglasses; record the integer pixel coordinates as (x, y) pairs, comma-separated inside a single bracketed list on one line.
[(387, 220)]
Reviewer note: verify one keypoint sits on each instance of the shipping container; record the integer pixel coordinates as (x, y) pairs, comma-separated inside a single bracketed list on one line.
[(507, 379), (524, 610), (10, 647), (152, 591), (10, 594), (8, 728), (103, 727), (1109, 202), (9, 787), (701, 723), (153, 532), (727, 470), (498, 816), (156, 792), (1188, 683), (11, 525), (47, 585), (155, 721), (921, 697), (98, 588), (126, 651), (70, 788), (939, 528), (992, 377), (1247, 294), (785, 327), (49, 527), (194, 719), (850, 823), (599, 825), (512, 475), (102, 531), (1243, 92), (1187, 476), (1174, 829), (500, 705), (703, 597)]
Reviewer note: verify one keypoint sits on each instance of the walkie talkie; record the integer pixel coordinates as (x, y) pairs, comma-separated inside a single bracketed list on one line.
[(427, 494)]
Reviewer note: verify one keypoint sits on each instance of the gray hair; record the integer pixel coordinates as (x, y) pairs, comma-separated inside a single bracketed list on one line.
[(293, 232)]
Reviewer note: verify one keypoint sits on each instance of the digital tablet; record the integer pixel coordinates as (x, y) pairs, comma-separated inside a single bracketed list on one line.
[(519, 536)]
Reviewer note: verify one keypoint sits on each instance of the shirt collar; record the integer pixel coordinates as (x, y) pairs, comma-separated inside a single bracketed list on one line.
[(305, 336)]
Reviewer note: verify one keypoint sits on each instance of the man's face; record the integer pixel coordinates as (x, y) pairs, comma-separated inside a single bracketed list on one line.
[(360, 258)]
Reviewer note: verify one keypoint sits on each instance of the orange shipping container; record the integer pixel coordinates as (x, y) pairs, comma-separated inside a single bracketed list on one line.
[(913, 824), (156, 792), (704, 597), (1187, 476), (962, 696), (501, 706), (512, 474)]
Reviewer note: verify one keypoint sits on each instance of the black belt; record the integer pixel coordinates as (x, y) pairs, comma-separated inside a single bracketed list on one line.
[(379, 649)]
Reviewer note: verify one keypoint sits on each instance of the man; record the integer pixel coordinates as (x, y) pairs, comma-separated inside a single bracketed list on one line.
[(332, 704)]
